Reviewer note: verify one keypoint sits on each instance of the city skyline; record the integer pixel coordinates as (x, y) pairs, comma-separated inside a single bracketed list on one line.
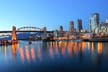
[(52, 14)]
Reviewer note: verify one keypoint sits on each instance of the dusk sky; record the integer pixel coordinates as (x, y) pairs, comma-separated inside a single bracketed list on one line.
[(49, 13)]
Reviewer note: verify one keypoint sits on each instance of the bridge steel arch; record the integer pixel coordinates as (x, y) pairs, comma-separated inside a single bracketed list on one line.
[(28, 28)]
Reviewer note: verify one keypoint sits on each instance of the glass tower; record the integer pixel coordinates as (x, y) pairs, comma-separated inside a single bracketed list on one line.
[(93, 22)]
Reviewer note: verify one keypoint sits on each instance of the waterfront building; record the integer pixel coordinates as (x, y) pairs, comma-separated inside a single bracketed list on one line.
[(93, 22), (97, 27), (55, 33), (102, 28), (79, 25)]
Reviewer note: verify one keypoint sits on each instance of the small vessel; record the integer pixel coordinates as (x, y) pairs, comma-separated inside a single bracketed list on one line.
[(30, 42)]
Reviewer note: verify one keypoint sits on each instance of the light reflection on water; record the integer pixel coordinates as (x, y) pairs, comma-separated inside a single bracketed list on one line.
[(79, 53)]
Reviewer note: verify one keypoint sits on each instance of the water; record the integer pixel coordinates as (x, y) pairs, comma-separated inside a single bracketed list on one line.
[(60, 56)]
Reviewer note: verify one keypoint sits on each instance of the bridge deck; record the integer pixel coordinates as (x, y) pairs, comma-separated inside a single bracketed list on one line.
[(26, 31)]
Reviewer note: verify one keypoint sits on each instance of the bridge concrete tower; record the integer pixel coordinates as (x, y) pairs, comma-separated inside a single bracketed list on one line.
[(44, 29), (14, 38), (45, 33)]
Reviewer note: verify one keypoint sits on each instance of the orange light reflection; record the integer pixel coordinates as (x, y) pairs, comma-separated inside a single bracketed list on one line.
[(92, 49), (51, 52), (83, 46), (39, 54), (70, 48), (21, 54), (99, 47), (5, 48), (27, 54), (33, 54), (14, 47)]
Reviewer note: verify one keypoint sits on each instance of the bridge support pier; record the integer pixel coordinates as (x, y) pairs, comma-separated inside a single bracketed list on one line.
[(45, 34), (14, 38)]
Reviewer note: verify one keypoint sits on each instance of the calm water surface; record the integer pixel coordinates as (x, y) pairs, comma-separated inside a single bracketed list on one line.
[(60, 56)]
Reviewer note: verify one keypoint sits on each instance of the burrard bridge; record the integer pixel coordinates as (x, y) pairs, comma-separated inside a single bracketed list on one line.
[(28, 29), (22, 30)]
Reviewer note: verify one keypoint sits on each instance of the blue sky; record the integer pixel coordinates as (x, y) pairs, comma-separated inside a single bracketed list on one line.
[(49, 13)]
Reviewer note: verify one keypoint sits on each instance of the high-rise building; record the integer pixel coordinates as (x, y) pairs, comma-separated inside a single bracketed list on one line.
[(61, 32), (61, 28), (107, 20), (93, 22), (71, 29), (80, 25)]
